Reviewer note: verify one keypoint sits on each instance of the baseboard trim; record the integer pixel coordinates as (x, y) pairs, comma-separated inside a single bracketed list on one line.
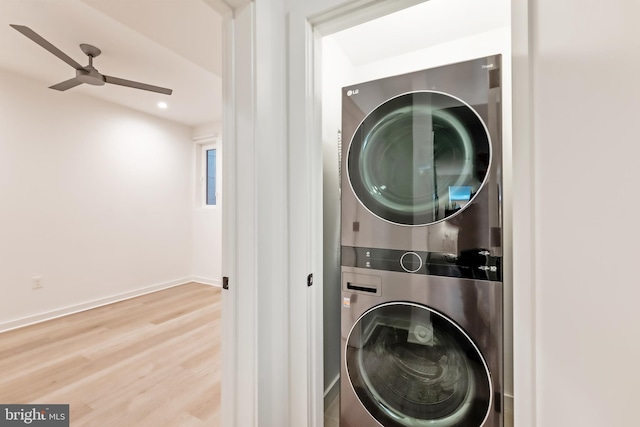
[(508, 418), (331, 392), (54, 314), (508, 403), (205, 281)]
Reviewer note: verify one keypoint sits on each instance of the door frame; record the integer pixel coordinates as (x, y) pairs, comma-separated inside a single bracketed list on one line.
[(237, 17), (304, 391), (520, 234)]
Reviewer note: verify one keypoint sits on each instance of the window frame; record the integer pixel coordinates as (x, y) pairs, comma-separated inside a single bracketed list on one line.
[(204, 169)]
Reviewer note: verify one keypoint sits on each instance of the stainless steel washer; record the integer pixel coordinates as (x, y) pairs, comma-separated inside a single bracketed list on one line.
[(420, 351)]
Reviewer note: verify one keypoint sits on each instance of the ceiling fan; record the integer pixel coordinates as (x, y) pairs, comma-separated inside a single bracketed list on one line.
[(88, 74)]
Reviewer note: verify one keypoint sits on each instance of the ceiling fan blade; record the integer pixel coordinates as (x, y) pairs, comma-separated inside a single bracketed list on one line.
[(67, 84), (136, 85), (28, 32)]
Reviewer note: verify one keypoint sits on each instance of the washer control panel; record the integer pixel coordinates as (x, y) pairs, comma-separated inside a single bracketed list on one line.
[(471, 264)]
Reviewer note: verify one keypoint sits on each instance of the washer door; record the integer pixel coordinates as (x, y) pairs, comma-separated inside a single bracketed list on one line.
[(411, 366), (419, 158)]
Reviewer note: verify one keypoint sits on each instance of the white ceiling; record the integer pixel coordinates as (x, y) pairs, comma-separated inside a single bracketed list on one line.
[(418, 27), (169, 43), (177, 44)]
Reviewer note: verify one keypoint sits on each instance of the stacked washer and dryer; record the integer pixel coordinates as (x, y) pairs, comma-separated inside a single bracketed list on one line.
[(421, 212)]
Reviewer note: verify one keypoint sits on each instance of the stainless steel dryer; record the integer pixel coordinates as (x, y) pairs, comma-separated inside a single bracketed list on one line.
[(422, 167), (420, 351)]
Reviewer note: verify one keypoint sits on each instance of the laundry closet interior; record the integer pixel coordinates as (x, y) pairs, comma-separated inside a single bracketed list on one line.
[(460, 50)]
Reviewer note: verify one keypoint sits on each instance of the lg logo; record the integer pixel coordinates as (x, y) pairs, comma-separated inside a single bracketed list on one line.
[(353, 92)]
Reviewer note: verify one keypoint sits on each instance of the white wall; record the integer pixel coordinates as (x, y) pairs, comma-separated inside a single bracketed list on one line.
[(336, 71), (476, 46), (585, 136), (94, 198)]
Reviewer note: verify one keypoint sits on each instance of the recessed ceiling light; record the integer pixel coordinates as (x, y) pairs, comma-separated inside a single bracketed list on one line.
[(163, 105)]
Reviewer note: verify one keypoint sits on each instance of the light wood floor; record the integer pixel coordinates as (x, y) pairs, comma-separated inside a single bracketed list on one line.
[(153, 360)]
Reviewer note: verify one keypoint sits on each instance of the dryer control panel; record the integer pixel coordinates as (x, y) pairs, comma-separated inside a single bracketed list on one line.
[(472, 264)]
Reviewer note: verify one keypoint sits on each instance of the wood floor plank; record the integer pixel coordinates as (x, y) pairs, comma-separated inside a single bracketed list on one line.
[(153, 360)]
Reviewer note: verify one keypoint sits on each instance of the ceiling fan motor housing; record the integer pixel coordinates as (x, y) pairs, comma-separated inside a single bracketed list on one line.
[(92, 76)]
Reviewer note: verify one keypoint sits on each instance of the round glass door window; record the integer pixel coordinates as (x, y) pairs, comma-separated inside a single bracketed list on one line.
[(419, 158), (411, 367)]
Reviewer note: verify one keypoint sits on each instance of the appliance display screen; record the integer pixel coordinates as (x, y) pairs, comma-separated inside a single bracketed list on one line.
[(460, 193)]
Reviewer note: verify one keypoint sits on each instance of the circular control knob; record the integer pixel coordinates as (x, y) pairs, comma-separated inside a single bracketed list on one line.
[(410, 262)]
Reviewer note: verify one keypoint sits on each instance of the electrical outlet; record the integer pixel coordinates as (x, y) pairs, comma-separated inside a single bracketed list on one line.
[(36, 282)]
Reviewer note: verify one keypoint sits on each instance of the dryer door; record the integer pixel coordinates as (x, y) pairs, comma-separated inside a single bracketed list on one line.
[(410, 366), (419, 158)]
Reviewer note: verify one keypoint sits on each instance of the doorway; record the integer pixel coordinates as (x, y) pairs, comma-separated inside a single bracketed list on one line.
[(422, 36)]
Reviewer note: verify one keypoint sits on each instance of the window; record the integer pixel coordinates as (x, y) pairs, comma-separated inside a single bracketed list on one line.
[(209, 173), (211, 177)]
